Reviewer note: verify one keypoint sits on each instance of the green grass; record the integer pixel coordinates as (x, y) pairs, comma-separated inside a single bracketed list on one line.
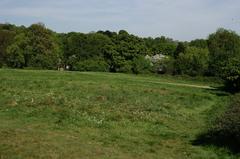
[(50, 114)]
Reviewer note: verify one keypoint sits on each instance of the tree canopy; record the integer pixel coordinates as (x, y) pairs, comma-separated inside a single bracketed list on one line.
[(39, 47)]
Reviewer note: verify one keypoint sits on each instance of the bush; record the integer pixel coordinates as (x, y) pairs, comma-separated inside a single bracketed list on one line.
[(125, 67), (231, 74), (225, 131), (140, 65)]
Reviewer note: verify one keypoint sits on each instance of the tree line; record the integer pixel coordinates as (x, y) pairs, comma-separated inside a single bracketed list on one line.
[(39, 47)]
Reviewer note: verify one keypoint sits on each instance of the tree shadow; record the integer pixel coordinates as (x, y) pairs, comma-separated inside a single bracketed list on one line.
[(223, 132), (222, 91), (226, 89), (218, 139)]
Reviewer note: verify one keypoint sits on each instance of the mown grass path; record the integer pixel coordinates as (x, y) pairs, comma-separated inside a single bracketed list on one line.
[(159, 81)]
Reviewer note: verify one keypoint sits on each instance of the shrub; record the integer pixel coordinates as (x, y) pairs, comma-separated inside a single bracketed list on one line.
[(225, 131), (125, 67), (231, 74), (140, 65)]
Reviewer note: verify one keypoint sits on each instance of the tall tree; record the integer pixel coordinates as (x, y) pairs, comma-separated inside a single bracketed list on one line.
[(7, 34), (223, 45), (193, 62), (18, 51), (199, 43), (180, 49), (44, 51)]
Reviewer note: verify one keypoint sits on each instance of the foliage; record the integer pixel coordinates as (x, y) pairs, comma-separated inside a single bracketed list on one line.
[(38, 46), (164, 66), (140, 65), (193, 62), (96, 65), (199, 43), (223, 45), (181, 48), (44, 51), (7, 34), (124, 66), (17, 51), (231, 74), (225, 129), (160, 45), (15, 57)]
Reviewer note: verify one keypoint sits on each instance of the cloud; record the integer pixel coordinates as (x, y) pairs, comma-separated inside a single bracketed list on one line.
[(182, 20)]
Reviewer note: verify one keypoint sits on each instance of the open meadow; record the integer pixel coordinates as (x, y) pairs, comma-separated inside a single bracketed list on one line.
[(50, 114)]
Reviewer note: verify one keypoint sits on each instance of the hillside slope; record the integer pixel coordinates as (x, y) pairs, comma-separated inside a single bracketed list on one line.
[(50, 114)]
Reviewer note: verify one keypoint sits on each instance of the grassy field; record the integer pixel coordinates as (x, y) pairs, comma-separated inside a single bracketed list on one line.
[(50, 114)]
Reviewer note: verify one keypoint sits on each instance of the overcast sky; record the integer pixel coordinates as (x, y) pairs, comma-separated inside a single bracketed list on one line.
[(178, 19)]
